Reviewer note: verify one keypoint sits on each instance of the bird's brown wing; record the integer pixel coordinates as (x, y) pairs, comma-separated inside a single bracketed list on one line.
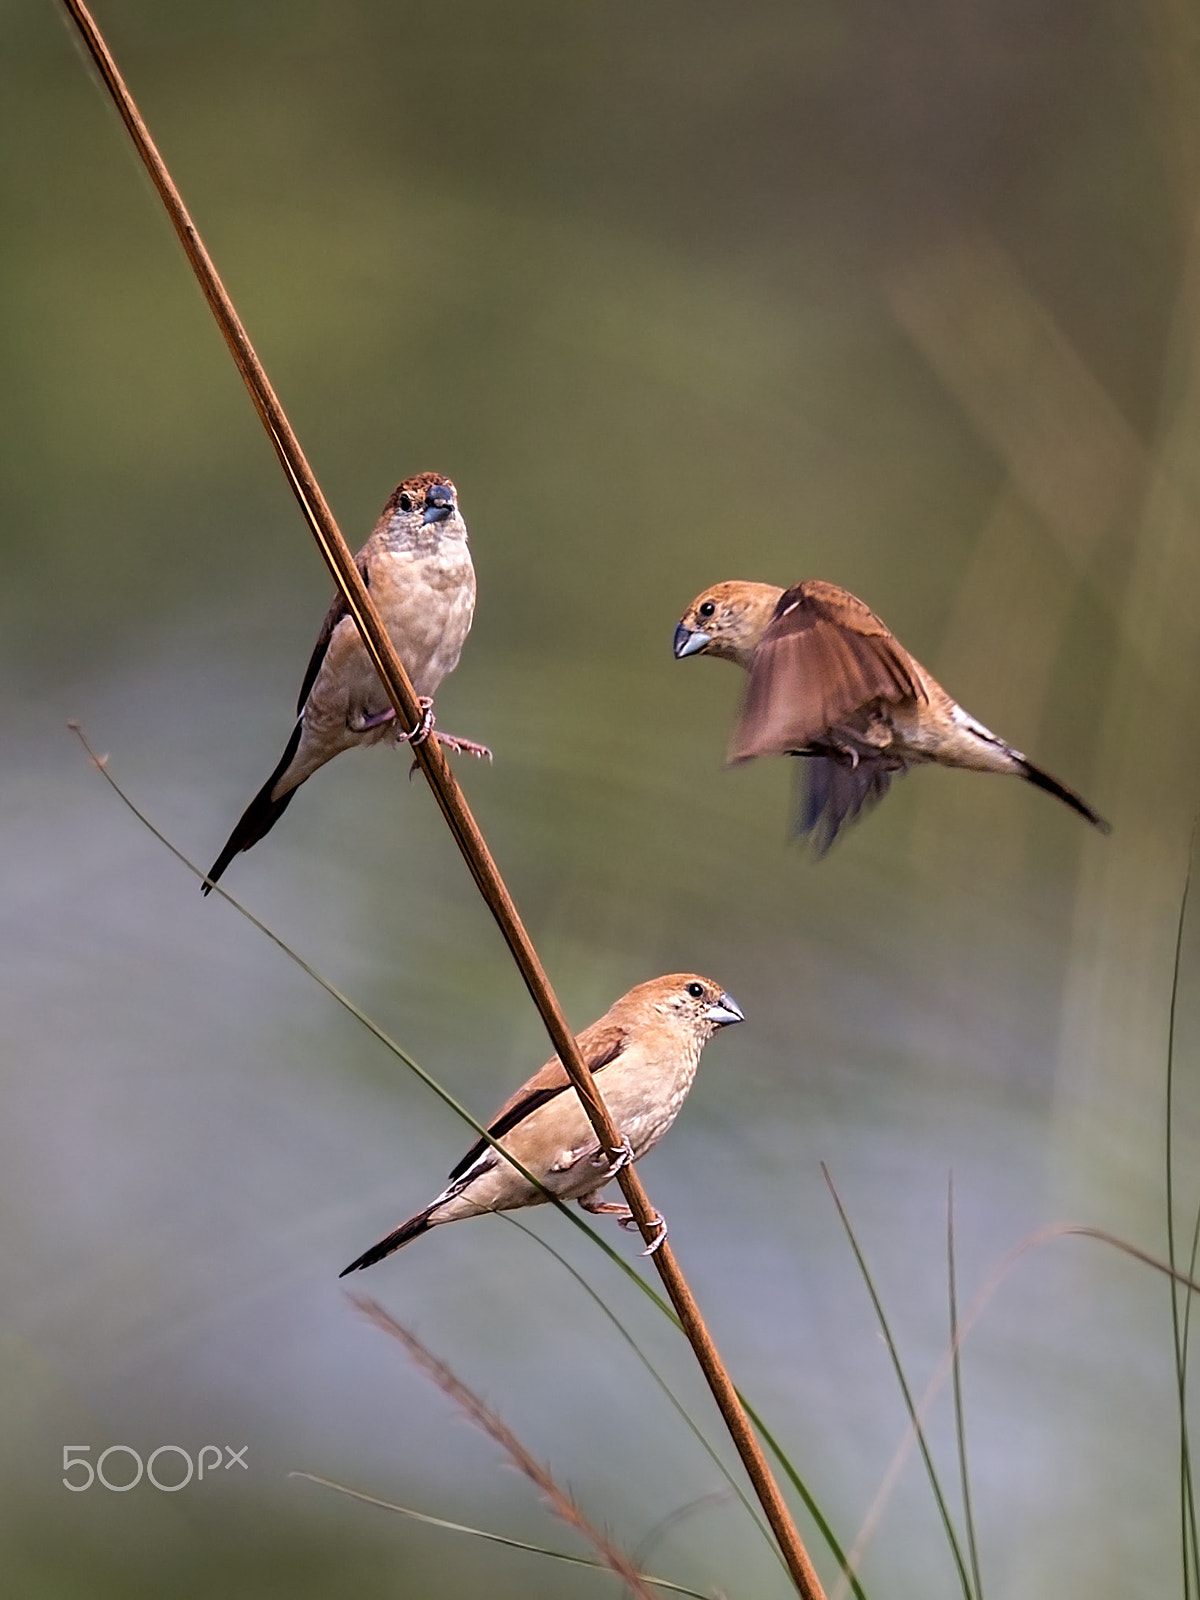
[(599, 1045), (337, 610), (824, 655)]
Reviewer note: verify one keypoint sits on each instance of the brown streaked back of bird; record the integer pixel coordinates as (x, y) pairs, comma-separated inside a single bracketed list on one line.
[(598, 1045), (824, 656)]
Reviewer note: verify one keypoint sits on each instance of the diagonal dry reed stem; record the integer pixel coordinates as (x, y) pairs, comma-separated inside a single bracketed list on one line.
[(482, 1415), (450, 799)]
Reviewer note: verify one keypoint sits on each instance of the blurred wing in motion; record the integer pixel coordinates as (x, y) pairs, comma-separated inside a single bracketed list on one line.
[(824, 656)]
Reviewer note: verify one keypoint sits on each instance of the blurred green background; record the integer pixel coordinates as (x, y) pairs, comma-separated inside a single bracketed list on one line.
[(901, 297)]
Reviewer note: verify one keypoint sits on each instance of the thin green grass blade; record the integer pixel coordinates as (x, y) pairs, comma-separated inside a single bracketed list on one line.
[(960, 1423), (1187, 1506), (801, 1488), (492, 1538), (678, 1405), (995, 1279), (702, 1502), (1187, 1310), (1194, 1579), (761, 1428), (913, 1413)]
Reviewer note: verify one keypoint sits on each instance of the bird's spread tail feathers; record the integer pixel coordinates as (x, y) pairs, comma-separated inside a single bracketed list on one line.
[(402, 1235), (260, 816), (1043, 780)]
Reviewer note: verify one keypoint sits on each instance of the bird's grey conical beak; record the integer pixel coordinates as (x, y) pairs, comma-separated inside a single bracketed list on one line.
[(725, 1011), (688, 643), (439, 504)]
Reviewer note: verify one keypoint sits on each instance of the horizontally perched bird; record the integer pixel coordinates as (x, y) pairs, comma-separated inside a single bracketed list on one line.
[(643, 1053), (418, 568), (829, 682)]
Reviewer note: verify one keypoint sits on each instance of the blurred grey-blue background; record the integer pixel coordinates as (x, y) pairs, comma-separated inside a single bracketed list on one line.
[(899, 297)]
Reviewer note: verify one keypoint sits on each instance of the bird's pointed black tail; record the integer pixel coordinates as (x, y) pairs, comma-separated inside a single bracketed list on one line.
[(1043, 780), (260, 816), (402, 1235)]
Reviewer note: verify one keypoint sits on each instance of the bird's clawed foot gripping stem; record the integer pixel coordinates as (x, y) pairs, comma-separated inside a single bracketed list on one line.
[(622, 1158), (626, 1219), (449, 741), (658, 1223), (424, 728)]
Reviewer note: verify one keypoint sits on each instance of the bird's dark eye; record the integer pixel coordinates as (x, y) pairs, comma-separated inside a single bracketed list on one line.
[(707, 609), (696, 990), (406, 502)]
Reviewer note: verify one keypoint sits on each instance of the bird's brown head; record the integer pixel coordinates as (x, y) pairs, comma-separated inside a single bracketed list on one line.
[(697, 1006), (422, 509), (727, 620)]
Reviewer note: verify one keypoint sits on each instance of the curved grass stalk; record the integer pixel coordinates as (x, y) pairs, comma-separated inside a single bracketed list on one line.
[(477, 1411), (847, 1574), (703, 1502), (673, 1399), (914, 1412), (1190, 1581), (492, 1538), (960, 1421), (1180, 1324), (1033, 1241)]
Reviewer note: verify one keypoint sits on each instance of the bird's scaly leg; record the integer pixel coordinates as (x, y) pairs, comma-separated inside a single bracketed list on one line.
[(365, 724), (606, 1208), (421, 732)]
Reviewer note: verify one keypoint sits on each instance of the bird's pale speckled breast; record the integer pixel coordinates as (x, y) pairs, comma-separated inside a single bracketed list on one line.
[(644, 1101), (426, 600)]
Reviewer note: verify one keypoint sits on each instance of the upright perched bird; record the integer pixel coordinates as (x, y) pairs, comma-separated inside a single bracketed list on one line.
[(829, 682), (643, 1053), (418, 568)]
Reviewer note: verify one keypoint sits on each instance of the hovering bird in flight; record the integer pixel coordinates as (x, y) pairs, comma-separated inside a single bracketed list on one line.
[(829, 682), (418, 568), (643, 1054)]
